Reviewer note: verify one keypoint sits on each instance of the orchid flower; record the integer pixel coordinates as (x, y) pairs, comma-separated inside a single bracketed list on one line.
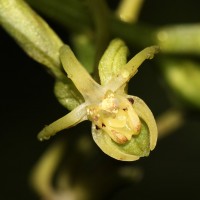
[(122, 125)]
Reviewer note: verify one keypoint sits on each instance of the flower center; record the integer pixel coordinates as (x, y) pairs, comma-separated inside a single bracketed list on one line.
[(116, 116)]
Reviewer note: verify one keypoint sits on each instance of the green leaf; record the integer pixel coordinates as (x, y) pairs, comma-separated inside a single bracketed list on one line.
[(32, 33)]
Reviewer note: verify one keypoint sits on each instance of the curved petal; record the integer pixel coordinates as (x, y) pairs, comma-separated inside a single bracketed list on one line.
[(139, 145), (79, 75), (71, 119), (107, 145), (146, 115), (130, 69)]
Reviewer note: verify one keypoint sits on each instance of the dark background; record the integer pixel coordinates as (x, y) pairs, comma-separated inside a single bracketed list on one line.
[(27, 103)]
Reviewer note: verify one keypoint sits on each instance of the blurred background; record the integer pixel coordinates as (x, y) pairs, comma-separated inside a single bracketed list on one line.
[(28, 102)]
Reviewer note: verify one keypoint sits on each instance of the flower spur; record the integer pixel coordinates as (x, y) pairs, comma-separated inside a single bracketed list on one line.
[(122, 125)]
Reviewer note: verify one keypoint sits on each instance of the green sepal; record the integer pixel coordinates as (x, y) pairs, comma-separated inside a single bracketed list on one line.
[(67, 94), (112, 61)]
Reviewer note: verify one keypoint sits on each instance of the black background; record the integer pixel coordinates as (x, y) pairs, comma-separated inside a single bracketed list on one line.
[(27, 103)]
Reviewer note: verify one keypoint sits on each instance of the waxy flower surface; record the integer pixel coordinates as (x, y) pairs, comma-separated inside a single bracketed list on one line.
[(122, 125)]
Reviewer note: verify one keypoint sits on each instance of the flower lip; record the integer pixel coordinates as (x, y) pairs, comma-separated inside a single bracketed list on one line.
[(115, 115)]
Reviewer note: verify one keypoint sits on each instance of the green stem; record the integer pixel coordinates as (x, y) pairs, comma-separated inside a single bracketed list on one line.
[(100, 13), (70, 13), (133, 34), (140, 35)]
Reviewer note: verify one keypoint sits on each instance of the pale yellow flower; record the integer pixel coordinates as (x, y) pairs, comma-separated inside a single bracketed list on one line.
[(122, 125)]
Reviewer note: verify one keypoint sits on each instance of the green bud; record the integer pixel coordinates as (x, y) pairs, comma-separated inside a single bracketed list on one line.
[(183, 77), (112, 61), (179, 39)]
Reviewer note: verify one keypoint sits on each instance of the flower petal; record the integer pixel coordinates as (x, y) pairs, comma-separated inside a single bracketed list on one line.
[(71, 119), (90, 89), (107, 145), (130, 69), (146, 115), (139, 145)]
